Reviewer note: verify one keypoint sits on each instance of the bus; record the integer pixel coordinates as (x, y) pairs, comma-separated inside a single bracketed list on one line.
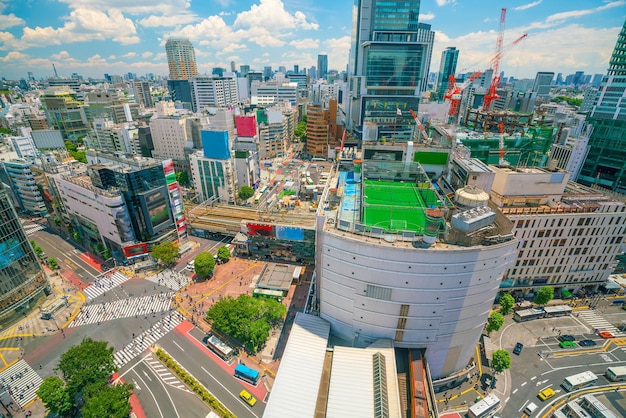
[(580, 380), (257, 198), (247, 374), (528, 314), (267, 293), (486, 407), (263, 189), (49, 311), (219, 347), (616, 374)]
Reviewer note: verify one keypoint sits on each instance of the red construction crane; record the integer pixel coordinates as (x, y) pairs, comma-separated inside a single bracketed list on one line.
[(455, 91), (420, 126)]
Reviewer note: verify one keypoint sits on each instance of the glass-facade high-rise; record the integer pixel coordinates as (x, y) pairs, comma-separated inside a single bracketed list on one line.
[(22, 280), (605, 163), (322, 66), (447, 67), (388, 68)]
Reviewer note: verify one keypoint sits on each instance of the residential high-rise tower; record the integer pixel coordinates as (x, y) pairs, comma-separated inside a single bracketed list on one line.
[(181, 59), (388, 67)]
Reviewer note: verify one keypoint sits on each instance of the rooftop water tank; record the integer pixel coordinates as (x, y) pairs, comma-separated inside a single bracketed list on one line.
[(471, 196)]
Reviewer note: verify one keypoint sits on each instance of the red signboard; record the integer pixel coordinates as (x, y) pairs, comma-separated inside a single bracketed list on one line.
[(136, 250), (261, 230), (246, 125)]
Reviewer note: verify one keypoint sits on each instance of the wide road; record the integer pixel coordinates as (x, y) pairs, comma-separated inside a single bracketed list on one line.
[(161, 394), (222, 384)]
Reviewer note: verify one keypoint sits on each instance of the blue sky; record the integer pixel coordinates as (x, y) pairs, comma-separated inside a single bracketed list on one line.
[(92, 37)]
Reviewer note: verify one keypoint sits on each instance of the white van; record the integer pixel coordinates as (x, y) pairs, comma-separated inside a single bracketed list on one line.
[(190, 265), (530, 408)]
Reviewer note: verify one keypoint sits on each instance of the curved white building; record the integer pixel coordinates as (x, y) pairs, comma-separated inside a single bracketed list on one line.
[(431, 291)]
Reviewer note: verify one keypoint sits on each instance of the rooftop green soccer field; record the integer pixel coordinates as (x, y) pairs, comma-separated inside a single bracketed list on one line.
[(396, 206)]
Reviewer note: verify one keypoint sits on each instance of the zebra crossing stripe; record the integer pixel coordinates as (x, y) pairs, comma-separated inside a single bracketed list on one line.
[(103, 284), (21, 382)]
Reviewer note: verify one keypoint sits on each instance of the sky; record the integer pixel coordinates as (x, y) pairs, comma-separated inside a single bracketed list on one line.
[(93, 37)]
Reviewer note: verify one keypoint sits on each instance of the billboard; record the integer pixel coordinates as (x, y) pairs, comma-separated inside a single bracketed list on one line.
[(289, 233), (133, 251), (215, 144), (260, 230), (246, 125)]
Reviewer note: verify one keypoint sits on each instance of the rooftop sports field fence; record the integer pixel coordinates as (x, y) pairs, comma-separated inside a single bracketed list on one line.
[(397, 206)]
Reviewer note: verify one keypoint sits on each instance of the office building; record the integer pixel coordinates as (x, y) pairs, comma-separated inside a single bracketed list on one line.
[(388, 68), (181, 91), (214, 92), (322, 66), (16, 173), (604, 165), (65, 113), (317, 131), (181, 59), (212, 169), (542, 85), (447, 67), (142, 93), (23, 284), (273, 92)]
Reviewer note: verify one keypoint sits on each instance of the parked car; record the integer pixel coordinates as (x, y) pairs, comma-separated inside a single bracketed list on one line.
[(567, 344), (518, 348), (606, 334), (586, 343), (566, 337), (546, 394)]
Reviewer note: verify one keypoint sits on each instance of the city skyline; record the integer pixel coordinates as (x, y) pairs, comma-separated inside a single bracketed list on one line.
[(93, 37)]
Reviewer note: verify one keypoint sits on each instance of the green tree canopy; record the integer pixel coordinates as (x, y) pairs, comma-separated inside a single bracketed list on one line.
[(53, 263), (245, 192), (300, 130), (223, 254), (70, 146), (88, 363), (495, 322), (500, 360), (79, 156), (183, 178), (165, 252), (544, 295), (246, 319), (506, 303), (204, 264), (54, 395), (108, 401)]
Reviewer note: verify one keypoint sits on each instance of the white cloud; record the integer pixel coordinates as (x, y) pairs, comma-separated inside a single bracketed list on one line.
[(444, 2), (129, 55), (63, 55), (168, 21), (307, 43), (160, 56), (527, 6), (424, 17), (271, 14), (146, 54), (14, 57), (583, 12), (8, 21), (134, 7)]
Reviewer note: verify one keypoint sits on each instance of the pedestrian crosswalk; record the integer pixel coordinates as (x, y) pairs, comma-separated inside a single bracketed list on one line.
[(597, 322), (123, 308), (102, 284), (21, 383), (164, 373), (141, 342), (169, 278), (31, 228)]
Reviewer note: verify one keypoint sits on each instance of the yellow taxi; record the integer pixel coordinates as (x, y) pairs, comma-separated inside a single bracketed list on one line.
[(247, 396), (546, 394)]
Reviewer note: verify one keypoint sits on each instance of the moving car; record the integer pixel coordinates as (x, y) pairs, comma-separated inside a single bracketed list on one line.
[(586, 343), (566, 337), (246, 396), (606, 334), (545, 394), (567, 344), (518, 348)]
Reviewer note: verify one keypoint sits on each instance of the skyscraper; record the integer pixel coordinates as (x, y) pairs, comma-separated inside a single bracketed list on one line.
[(22, 280), (543, 83), (447, 67), (142, 93), (181, 59), (388, 67), (604, 164), (322, 66)]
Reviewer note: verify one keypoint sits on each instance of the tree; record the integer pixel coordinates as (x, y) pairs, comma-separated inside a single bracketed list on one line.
[(108, 401), (223, 254), (246, 319), (70, 146), (165, 252), (86, 364), (80, 156), (182, 178), (544, 295), (494, 322), (53, 263), (54, 395), (506, 303), (500, 360), (300, 130), (204, 264), (245, 192)]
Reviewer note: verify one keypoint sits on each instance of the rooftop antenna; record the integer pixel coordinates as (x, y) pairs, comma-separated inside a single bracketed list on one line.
[(56, 75)]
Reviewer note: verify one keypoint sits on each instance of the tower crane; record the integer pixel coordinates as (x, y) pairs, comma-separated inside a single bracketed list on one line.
[(420, 127), (455, 91)]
